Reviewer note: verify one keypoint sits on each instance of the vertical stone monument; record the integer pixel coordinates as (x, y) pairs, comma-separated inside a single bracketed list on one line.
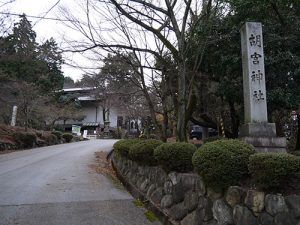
[(256, 130), (14, 116)]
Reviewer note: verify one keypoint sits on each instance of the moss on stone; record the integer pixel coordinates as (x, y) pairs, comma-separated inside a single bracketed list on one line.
[(138, 202), (151, 216)]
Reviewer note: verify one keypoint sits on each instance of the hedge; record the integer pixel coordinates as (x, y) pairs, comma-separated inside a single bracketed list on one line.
[(143, 136), (122, 147), (58, 134), (273, 170), (25, 139), (150, 136), (223, 162), (68, 137), (50, 138), (143, 151), (175, 156), (153, 136), (213, 138)]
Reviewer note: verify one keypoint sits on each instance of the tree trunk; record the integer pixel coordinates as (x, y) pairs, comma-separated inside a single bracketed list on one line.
[(165, 123), (52, 125), (103, 114), (181, 115), (298, 133), (152, 111), (26, 118), (234, 120)]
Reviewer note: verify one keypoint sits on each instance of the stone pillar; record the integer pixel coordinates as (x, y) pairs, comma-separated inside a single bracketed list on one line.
[(14, 116), (256, 130), (255, 101)]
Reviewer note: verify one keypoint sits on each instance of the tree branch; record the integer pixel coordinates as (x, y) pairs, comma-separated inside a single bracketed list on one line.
[(145, 26)]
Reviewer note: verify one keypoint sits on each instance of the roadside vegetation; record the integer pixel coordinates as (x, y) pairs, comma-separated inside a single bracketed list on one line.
[(17, 138), (221, 163)]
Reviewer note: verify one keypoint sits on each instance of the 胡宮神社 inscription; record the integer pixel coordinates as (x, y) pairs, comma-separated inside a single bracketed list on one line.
[(256, 130), (254, 74)]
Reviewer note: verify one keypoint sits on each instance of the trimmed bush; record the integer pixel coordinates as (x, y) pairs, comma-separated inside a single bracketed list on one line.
[(153, 136), (223, 163), (150, 136), (68, 137), (78, 138), (143, 136), (273, 170), (50, 138), (116, 133), (25, 139), (122, 147), (58, 134), (214, 138), (143, 151), (175, 156)]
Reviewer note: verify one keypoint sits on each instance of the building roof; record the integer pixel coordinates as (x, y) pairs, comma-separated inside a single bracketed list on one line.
[(91, 124), (78, 89)]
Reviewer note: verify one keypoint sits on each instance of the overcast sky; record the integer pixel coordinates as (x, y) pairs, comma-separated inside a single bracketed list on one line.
[(46, 28)]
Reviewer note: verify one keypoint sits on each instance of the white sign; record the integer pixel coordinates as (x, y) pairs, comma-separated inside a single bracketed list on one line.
[(85, 134), (76, 129)]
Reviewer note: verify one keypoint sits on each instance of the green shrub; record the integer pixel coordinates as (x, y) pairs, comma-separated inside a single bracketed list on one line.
[(122, 147), (273, 170), (78, 138), (150, 136), (296, 153), (143, 136), (151, 216), (25, 139), (223, 163), (58, 134), (143, 151), (153, 136), (175, 156), (116, 133), (50, 138), (214, 138), (68, 137)]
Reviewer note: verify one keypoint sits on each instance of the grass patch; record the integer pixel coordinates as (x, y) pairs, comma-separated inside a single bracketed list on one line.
[(138, 202), (151, 216), (148, 214)]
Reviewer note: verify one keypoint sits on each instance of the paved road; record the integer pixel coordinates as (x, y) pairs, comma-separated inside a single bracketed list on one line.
[(55, 186)]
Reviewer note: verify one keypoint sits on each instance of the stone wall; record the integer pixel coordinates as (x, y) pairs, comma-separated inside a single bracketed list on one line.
[(184, 199)]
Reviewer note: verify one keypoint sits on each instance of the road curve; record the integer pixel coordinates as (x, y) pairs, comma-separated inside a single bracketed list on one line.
[(55, 185)]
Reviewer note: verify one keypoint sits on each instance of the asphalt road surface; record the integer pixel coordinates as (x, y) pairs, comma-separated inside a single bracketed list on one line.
[(55, 186)]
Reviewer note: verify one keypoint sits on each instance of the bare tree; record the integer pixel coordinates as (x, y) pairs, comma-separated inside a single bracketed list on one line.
[(135, 25), (5, 18), (60, 112)]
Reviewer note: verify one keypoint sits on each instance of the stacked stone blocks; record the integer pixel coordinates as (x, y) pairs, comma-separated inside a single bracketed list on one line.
[(185, 200)]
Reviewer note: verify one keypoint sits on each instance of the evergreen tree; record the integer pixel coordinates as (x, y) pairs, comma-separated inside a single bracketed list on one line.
[(223, 65), (29, 74), (22, 58)]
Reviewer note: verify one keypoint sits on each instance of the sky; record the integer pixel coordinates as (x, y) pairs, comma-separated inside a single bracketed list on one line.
[(105, 28), (46, 28)]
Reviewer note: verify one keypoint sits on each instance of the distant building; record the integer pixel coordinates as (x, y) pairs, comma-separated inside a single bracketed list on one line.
[(93, 109)]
